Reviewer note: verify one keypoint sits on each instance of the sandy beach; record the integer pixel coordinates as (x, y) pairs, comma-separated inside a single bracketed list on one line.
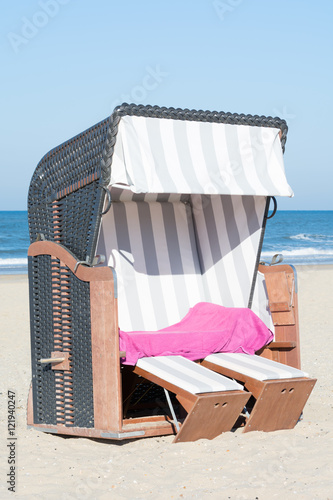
[(293, 464)]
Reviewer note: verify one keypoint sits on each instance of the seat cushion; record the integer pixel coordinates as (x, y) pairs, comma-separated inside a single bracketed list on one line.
[(254, 366), (187, 375)]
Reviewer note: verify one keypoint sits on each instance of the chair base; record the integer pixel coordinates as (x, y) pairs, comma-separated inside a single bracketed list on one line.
[(278, 403), (209, 416)]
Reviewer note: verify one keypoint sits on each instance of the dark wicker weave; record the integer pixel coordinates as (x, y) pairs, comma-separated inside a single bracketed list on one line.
[(51, 330), (65, 204)]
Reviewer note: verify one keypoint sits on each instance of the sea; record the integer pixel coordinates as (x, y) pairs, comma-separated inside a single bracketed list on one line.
[(302, 237)]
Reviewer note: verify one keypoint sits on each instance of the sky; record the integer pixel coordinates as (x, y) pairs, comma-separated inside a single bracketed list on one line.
[(67, 63)]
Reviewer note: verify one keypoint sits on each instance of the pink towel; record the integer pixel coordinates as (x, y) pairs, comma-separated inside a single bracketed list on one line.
[(207, 328)]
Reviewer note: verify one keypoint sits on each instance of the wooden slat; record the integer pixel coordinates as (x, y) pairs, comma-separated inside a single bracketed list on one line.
[(105, 357), (284, 332)]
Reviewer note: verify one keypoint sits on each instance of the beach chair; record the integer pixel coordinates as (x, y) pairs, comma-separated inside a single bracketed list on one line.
[(177, 202)]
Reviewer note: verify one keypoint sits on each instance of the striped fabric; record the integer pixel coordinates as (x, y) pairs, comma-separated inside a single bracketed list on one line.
[(255, 366), (187, 375), (152, 247), (156, 155), (260, 303), (228, 232), (172, 251)]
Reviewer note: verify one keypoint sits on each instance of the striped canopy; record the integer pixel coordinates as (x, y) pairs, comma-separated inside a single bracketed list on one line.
[(157, 155)]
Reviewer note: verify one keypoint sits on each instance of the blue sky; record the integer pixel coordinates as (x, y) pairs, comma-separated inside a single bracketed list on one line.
[(67, 63)]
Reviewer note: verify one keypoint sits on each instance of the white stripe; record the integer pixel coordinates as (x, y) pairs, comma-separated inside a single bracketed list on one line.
[(193, 282), (230, 170), (123, 129), (167, 283), (260, 302), (171, 156), (146, 148), (115, 261), (198, 160), (275, 164), (235, 292), (142, 279), (125, 279), (253, 158)]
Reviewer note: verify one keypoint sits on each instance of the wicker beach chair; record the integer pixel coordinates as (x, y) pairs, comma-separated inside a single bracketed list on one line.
[(177, 202)]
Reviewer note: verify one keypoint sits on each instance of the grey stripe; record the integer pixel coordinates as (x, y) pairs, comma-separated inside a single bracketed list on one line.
[(155, 139), (158, 308), (235, 240), (148, 242), (249, 205), (231, 225), (175, 260), (210, 216), (210, 221), (193, 241), (185, 198), (194, 203), (101, 248), (138, 196), (123, 243), (162, 197), (116, 193), (253, 221), (172, 239)]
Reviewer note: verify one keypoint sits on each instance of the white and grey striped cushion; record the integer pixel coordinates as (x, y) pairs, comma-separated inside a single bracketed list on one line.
[(255, 367), (187, 375)]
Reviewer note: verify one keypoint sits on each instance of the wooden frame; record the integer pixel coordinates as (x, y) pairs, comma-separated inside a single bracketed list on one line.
[(278, 403), (220, 409), (283, 303)]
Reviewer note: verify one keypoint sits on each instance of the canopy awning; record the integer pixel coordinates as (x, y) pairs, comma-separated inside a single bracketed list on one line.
[(157, 155)]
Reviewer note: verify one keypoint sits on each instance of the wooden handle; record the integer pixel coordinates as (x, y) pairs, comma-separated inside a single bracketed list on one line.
[(51, 360)]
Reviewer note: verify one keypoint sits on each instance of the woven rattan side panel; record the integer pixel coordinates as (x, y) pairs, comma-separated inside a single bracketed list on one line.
[(73, 220), (41, 328), (66, 193), (60, 322)]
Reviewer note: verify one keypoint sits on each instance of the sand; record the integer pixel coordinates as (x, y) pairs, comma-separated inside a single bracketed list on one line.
[(293, 464)]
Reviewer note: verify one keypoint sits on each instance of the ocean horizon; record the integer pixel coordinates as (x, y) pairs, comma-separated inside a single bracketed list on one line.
[(303, 237)]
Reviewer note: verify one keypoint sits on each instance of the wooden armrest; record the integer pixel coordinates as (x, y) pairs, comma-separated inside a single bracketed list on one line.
[(84, 273)]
